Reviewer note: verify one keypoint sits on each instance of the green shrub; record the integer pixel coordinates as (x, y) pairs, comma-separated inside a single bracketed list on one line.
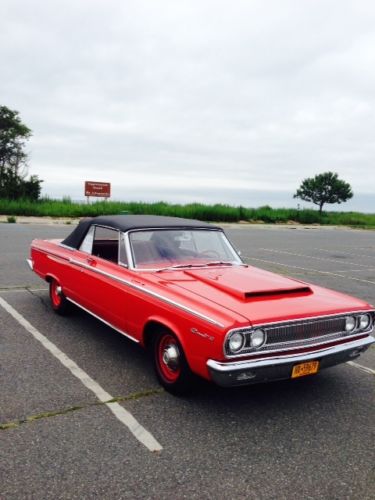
[(200, 211), (307, 216)]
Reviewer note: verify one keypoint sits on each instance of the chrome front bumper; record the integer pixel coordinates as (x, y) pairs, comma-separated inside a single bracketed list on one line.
[(280, 367)]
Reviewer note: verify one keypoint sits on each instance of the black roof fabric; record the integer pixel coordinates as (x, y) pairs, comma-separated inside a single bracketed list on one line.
[(127, 222)]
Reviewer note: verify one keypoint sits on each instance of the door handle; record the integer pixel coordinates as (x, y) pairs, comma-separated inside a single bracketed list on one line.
[(91, 261)]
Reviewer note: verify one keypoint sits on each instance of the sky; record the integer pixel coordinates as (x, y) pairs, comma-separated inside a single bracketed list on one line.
[(184, 100)]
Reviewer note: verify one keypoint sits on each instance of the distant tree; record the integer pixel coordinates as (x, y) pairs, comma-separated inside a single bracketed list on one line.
[(32, 188), (13, 158), (324, 188)]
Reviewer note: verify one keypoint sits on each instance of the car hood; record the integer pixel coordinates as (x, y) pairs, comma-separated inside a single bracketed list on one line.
[(258, 296), (239, 283)]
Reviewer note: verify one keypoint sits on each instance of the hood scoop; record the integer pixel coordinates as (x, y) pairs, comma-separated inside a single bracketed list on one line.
[(257, 294), (251, 283)]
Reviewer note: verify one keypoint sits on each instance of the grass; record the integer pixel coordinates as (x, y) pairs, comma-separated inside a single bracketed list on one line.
[(47, 414), (214, 213)]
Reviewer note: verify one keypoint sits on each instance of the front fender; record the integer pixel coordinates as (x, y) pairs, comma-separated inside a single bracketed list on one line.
[(198, 343)]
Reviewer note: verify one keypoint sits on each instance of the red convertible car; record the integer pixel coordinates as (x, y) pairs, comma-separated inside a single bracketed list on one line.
[(179, 288)]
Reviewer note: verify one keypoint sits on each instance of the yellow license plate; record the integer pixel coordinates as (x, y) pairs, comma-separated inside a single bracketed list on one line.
[(308, 368)]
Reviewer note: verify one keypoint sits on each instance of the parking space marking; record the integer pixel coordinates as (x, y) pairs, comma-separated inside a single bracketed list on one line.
[(121, 414), (356, 254), (361, 367), (22, 289), (355, 270), (294, 254), (291, 266)]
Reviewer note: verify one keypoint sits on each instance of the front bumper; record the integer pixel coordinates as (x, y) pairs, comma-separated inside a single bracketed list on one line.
[(280, 367)]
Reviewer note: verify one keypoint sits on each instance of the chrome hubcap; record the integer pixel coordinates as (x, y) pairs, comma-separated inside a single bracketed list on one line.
[(58, 290), (171, 357)]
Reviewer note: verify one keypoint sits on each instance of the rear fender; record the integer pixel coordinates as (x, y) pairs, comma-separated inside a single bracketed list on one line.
[(50, 277)]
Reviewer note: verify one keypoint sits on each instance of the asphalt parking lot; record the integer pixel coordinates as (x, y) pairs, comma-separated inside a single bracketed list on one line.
[(308, 438)]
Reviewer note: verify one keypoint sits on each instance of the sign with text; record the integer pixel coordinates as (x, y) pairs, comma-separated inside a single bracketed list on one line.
[(100, 189)]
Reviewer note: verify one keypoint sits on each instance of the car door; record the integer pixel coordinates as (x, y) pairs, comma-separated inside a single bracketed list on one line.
[(100, 264)]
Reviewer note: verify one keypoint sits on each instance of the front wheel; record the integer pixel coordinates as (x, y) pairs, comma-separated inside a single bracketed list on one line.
[(58, 300), (170, 364)]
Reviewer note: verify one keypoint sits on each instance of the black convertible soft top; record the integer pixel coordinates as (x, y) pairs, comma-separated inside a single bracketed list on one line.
[(128, 222)]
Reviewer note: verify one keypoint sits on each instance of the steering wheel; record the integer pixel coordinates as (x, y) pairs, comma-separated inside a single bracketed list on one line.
[(211, 254)]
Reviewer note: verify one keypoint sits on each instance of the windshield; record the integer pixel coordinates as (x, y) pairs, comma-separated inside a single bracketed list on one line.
[(162, 248)]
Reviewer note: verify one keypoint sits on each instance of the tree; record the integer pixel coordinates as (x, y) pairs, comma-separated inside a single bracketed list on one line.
[(13, 158), (324, 188)]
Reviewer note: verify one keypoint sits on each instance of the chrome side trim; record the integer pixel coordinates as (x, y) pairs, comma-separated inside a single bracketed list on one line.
[(148, 292), (294, 358), (103, 320), (137, 287), (30, 264)]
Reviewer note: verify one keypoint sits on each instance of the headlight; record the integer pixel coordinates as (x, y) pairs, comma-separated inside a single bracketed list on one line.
[(364, 321), (236, 342), (257, 338), (350, 323)]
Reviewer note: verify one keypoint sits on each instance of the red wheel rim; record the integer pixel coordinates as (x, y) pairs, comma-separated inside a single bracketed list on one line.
[(55, 294), (168, 355)]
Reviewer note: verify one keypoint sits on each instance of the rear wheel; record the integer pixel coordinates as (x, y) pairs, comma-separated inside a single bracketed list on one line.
[(170, 364), (58, 300)]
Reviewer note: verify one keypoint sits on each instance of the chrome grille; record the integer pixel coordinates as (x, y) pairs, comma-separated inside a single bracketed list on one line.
[(299, 333), (304, 330)]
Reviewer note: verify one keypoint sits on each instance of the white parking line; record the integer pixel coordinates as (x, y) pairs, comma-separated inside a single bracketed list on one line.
[(308, 269), (22, 289), (361, 367), (272, 250), (355, 252), (123, 415), (370, 269)]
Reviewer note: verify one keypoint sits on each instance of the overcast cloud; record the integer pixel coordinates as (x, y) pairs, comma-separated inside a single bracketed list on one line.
[(231, 101)]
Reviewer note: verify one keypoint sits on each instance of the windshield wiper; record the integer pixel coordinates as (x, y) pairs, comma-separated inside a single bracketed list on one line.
[(219, 263), (225, 263), (180, 266), (206, 264)]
